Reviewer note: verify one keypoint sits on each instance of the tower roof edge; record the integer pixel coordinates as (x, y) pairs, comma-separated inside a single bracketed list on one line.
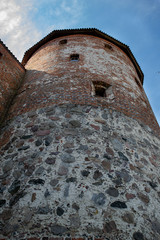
[(87, 31)]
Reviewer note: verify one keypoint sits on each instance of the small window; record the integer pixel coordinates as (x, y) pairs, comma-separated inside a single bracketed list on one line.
[(1, 54), (74, 57), (64, 41), (100, 88), (107, 46)]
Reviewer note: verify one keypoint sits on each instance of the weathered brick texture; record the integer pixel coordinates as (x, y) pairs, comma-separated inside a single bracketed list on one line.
[(51, 78), (11, 74)]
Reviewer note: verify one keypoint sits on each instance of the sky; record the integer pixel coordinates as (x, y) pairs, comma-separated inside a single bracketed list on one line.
[(135, 23)]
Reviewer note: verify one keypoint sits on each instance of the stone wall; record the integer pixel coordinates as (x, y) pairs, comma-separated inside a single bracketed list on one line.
[(11, 74), (79, 172)]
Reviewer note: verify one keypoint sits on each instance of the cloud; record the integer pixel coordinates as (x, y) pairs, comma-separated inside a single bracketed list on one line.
[(17, 30), (23, 23)]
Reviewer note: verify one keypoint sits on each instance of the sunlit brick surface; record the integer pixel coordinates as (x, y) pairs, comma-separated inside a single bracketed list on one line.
[(52, 78)]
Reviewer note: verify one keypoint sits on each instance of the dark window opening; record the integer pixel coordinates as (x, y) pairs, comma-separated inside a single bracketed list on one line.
[(74, 57), (64, 41), (1, 54), (108, 46), (100, 88), (100, 91)]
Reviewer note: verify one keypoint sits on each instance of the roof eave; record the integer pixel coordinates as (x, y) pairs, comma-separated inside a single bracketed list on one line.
[(86, 31)]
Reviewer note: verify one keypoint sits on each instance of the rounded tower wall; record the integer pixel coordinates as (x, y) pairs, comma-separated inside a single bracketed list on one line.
[(53, 78), (75, 162)]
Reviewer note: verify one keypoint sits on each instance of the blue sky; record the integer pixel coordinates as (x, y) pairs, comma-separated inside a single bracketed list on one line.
[(133, 22)]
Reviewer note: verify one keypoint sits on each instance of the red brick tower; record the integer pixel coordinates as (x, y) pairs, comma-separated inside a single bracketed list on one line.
[(80, 146)]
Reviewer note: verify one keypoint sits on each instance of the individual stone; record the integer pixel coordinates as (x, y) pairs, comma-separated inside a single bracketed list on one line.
[(75, 123), (47, 193), (30, 170), (99, 199), (50, 161), (97, 174), (85, 173), (59, 211), (6, 214), (100, 182), (112, 192), (68, 145), (14, 187), (58, 230), (40, 170), (32, 114), (26, 136), (48, 140), (34, 155), (67, 158), (36, 181), (124, 175), (54, 182), (51, 125), (83, 147), (144, 198), (38, 142), (8, 166), (105, 128), (156, 226), (74, 220), (43, 132), (99, 120), (16, 198), (71, 179), (23, 148), (117, 144), (71, 132), (118, 204), (153, 184), (63, 170), (66, 191), (138, 236), (110, 153), (106, 165), (105, 116), (122, 156), (2, 188), (75, 206), (43, 210), (110, 227), (97, 128), (34, 128), (130, 196), (87, 131), (128, 217), (2, 202)]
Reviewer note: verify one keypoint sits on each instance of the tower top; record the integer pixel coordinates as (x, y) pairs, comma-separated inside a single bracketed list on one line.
[(87, 31)]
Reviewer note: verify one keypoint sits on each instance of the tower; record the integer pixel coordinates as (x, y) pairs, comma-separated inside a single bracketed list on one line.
[(80, 145)]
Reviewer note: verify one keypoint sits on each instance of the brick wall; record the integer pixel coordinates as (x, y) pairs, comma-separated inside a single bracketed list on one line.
[(11, 74), (51, 78)]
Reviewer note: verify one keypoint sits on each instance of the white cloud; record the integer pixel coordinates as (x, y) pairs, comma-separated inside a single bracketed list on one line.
[(17, 30)]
